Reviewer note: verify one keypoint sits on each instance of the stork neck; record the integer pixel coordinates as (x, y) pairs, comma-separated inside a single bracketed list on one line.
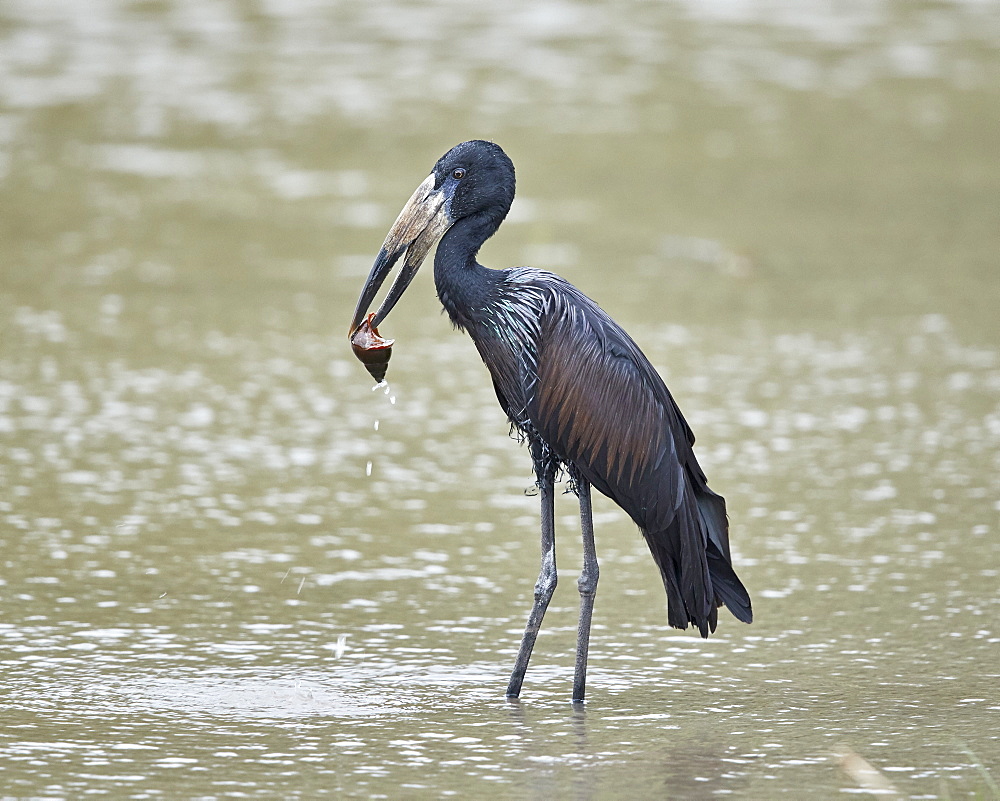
[(463, 285)]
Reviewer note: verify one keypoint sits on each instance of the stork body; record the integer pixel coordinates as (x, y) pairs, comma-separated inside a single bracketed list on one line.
[(579, 389)]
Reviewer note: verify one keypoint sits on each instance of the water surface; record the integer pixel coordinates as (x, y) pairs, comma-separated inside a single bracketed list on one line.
[(230, 568)]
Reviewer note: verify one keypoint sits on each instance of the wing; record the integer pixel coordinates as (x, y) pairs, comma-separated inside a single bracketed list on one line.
[(599, 404), (595, 399)]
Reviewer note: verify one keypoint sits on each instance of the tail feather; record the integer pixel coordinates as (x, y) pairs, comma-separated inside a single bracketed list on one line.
[(698, 580), (679, 552), (680, 611), (729, 590)]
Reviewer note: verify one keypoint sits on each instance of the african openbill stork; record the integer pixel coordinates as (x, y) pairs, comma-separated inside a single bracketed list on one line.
[(578, 389)]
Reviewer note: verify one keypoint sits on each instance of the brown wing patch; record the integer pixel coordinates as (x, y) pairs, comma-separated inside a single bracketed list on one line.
[(593, 403)]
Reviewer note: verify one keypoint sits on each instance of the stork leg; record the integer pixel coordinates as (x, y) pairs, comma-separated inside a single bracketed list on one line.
[(587, 585), (545, 585)]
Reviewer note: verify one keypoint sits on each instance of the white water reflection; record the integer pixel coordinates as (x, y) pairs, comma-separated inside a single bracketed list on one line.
[(265, 697)]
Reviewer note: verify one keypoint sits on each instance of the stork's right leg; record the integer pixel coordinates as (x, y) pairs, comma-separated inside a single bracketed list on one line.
[(545, 585)]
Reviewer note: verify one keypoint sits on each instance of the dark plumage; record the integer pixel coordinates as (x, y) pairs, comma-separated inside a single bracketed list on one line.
[(577, 387)]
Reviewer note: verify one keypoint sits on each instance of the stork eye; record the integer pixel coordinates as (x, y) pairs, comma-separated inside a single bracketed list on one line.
[(458, 173)]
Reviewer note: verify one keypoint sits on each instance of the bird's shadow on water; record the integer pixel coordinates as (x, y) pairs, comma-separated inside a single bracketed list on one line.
[(606, 749)]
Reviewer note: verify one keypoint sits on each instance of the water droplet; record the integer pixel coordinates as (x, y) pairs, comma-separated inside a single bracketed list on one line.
[(392, 399), (376, 425), (368, 469)]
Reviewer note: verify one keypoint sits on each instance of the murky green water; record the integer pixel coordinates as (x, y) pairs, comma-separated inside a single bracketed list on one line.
[(230, 569)]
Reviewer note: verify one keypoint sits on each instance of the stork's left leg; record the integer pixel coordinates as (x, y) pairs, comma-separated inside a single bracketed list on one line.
[(547, 575), (588, 588)]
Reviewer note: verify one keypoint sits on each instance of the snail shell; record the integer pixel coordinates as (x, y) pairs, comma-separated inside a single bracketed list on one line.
[(371, 349)]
